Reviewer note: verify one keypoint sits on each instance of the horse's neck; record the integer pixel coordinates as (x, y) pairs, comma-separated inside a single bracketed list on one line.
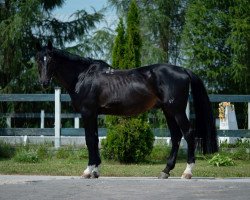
[(67, 72)]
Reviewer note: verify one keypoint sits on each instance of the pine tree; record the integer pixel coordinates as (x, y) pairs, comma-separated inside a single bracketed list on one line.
[(162, 22), (22, 24), (216, 43), (133, 38), (119, 45)]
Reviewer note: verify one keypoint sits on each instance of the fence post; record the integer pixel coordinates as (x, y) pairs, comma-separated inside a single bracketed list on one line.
[(8, 122), (248, 115), (76, 122), (57, 117), (42, 115), (188, 110)]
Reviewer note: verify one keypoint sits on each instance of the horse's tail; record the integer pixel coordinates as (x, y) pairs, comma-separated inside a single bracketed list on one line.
[(204, 122)]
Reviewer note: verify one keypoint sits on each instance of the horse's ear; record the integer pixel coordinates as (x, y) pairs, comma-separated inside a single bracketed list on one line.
[(38, 46), (50, 46)]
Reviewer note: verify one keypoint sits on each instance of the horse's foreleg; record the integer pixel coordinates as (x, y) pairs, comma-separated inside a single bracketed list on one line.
[(176, 136), (189, 136), (92, 141)]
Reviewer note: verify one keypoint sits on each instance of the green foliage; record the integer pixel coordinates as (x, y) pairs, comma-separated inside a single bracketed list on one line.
[(64, 152), (97, 44), (6, 150), (26, 156), (130, 141), (44, 151), (159, 153), (161, 24), (238, 144), (33, 153), (119, 46), (132, 56), (238, 150), (241, 154), (22, 24), (71, 152), (81, 153), (221, 160), (216, 43)]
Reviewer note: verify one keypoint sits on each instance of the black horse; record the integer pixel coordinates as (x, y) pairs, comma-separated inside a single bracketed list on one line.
[(95, 88)]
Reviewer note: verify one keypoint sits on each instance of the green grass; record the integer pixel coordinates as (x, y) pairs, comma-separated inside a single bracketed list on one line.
[(71, 161), (67, 167)]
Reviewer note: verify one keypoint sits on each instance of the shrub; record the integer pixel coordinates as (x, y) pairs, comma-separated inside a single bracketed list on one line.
[(64, 152), (43, 152), (159, 153), (241, 154), (27, 156), (221, 160), (81, 153), (240, 143), (6, 150), (128, 141)]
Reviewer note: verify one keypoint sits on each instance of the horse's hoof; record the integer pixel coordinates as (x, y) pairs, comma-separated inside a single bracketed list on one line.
[(94, 175), (163, 175), (186, 176), (86, 176)]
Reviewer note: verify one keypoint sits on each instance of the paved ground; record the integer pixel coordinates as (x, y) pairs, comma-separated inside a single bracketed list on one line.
[(61, 187)]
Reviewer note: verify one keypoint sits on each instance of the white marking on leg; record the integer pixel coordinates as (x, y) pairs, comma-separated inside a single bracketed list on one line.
[(187, 174), (91, 171), (95, 172)]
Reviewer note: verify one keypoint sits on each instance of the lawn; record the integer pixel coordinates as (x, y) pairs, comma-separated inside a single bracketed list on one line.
[(71, 161), (68, 167)]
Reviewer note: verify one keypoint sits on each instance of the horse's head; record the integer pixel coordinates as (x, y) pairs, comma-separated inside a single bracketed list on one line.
[(46, 66)]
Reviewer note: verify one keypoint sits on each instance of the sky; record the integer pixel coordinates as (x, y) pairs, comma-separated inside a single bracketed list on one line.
[(71, 6)]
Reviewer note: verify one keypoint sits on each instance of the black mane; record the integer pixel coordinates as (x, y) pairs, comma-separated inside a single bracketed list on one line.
[(74, 57)]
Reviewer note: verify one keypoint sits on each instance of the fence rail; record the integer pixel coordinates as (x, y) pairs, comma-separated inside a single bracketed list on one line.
[(66, 98), (58, 98)]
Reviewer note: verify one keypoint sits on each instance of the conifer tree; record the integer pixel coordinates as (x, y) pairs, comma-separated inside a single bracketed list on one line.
[(133, 38), (119, 45), (216, 44), (22, 24)]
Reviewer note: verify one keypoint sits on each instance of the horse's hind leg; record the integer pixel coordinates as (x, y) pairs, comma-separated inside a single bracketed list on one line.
[(176, 136), (188, 134)]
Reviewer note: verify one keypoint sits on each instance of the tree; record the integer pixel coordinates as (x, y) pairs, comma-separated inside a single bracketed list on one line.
[(96, 45), (132, 57), (216, 43), (161, 26), (118, 50), (22, 24)]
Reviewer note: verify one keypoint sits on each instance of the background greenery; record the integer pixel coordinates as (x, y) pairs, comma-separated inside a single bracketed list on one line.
[(210, 37)]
